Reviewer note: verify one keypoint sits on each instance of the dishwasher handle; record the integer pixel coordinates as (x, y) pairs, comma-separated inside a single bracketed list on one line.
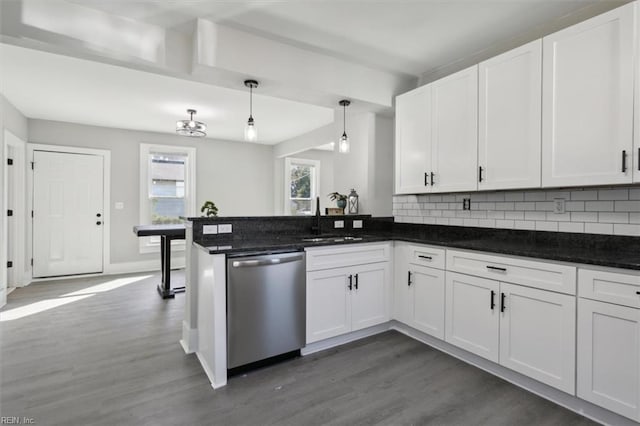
[(265, 262)]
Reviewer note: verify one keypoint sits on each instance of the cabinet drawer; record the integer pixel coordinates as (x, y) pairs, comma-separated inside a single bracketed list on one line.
[(613, 287), (349, 255), (426, 256), (543, 275)]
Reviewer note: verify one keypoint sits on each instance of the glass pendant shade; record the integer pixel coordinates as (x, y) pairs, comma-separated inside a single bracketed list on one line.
[(191, 127), (250, 131), (343, 145)]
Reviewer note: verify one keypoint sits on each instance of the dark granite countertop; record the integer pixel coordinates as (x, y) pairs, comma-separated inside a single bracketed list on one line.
[(174, 230), (611, 251)]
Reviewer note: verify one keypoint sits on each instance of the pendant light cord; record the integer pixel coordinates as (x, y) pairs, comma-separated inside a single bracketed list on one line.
[(251, 101)]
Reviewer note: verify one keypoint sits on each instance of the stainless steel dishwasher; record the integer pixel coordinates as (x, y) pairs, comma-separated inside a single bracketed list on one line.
[(266, 299)]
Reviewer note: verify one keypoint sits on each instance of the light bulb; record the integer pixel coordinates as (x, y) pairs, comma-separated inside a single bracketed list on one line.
[(343, 145), (250, 131), (192, 124)]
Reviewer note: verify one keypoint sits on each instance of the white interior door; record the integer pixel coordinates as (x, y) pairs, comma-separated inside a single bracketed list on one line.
[(68, 213)]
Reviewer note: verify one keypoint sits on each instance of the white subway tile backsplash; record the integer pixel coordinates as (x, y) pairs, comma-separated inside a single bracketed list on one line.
[(584, 195), (535, 215), (535, 196), (598, 228), (598, 206), (574, 206), (613, 194), (571, 227), (627, 206), (514, 215), (546, 226), (629, 230), (614, 210), (607, 217), (507, 224), (514, 196), (584, 217)]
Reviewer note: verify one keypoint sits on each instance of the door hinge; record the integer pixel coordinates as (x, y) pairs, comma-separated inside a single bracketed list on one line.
[(9, 264), (9, 212), (10, 161)]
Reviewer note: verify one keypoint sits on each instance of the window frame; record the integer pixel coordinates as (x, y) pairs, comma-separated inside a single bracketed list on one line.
[(315, 181), (149, 244)]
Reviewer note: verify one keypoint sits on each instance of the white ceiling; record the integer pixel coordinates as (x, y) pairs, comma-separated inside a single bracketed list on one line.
[(405, 36), (55, 87)]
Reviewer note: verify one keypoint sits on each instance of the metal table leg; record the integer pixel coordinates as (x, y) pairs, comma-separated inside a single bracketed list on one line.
[(164, 288)]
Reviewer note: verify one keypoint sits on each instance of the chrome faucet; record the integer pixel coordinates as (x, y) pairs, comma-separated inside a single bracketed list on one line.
[(316, 226)]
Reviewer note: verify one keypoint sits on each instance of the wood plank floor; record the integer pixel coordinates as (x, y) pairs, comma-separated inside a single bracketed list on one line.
[(113, 358)]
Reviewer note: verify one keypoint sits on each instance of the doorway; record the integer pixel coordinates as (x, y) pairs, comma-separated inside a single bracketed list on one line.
[(14, 255), (68, 212)]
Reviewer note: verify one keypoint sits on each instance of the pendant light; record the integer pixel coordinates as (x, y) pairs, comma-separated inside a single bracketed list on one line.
[(191, 127), (343, 145), (250, 131)]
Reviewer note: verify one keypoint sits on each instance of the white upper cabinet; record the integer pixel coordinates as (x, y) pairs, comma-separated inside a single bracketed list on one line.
[(636, 147), (413, 140), (509, 119), (588, 89), (454, 132)]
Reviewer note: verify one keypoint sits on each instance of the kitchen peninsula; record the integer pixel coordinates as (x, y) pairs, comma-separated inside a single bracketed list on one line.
[(539, 271)]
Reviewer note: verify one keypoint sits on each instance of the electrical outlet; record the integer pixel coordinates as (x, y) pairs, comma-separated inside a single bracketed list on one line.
[(558, 205), (338, 223), (225, 228), (357, 224), (209, 229), (466, 204)]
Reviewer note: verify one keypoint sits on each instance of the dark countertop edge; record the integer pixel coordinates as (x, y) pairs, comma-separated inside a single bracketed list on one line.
[(223, 218), (533, 254)]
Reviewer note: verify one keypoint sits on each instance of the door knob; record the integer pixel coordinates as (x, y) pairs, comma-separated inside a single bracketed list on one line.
[(98, 223)]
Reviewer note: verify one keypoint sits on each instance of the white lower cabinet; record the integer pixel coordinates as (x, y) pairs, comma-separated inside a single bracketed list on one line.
[(537, 335), (609, 341), (527, 330), (419, 290), (346, 299), (473, 314)]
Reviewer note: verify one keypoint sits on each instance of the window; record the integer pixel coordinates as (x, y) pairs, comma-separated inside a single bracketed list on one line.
[(167, 188), (300, 186)]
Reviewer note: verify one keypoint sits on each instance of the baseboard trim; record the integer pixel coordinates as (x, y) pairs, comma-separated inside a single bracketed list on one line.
[(345, 338), (209, 373), (189, 341)]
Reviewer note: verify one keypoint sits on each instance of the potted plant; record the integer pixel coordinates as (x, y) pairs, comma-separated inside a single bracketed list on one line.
[(340, 199), (209, 209)]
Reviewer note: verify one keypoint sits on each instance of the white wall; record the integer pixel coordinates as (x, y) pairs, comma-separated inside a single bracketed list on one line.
[(368, 167), (237, 176)]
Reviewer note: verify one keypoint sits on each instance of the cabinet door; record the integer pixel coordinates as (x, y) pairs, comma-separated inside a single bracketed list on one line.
[(510, 108), (538, 335), (609, 356), (328, 304), (402, 290), (428, 300), (472, 320), (588, 101), (636, 136), (413, 140), (454, 128), (369, 298)]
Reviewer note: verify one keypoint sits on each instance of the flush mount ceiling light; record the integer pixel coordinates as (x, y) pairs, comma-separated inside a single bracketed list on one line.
[(343, 145), (250, 131), (191, 127)]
